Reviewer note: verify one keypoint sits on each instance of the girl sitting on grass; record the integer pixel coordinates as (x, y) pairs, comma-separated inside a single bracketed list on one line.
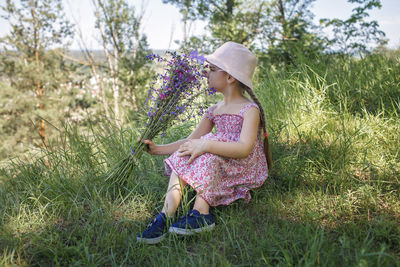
[(223, 166)]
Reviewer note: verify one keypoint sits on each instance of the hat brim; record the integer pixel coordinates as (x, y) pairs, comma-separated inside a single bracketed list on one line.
[(213, 60)]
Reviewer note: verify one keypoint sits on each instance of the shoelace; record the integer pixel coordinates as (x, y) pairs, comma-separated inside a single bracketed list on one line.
[(152, 222), (185, 216), (191, 214)]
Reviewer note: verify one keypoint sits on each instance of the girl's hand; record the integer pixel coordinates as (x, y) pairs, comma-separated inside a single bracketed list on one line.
[(150, 145), (194, 148)]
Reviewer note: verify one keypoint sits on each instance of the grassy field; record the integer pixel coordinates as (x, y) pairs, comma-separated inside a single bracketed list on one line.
[(332, 199)]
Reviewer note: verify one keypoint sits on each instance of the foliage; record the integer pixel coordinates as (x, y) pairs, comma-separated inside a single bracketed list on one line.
[(23, 72), (19, 113), (232, 20), (125, 49), (36, 26), (280, 30), (356, 34), (291, 33)]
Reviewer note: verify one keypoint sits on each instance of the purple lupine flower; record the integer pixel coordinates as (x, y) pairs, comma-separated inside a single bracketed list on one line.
[(199, 58), (193, 55), (202, 59), (211, 91), (172, 92)]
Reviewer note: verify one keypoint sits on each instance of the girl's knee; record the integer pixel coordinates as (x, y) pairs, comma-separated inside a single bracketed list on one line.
[(179, 185), (182, 183), (175, 179), (176, 183)]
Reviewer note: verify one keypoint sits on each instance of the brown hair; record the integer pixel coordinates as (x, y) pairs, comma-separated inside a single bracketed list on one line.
[(267, 149)]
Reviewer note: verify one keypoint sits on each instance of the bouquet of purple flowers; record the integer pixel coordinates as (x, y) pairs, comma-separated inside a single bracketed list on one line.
[(171, 94)]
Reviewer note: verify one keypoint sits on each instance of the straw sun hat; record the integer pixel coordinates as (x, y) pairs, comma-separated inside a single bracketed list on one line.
[(236, 60)]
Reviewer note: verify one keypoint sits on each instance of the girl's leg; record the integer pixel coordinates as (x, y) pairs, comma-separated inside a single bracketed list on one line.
[(201, 205), (174, 195)]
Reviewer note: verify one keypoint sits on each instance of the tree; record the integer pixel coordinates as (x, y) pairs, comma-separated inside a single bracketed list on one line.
[(124, 48), (36, 26), (356, 34), (228, 20), (280, 27), (291, 32)]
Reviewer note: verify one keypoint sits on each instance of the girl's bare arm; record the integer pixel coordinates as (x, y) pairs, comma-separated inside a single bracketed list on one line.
[(240, 149), (205, 126)]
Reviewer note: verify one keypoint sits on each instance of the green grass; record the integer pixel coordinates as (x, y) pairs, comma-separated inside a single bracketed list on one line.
[(332, 199)]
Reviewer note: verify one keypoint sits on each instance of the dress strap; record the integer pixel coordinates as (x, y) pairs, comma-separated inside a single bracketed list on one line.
[(246, 107), (209, 112)]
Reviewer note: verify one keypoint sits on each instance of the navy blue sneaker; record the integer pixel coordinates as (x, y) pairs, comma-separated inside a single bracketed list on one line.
[(156, 230), (193, 223)]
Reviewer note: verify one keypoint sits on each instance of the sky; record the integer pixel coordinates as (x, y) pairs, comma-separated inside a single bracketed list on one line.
[(162, 22)]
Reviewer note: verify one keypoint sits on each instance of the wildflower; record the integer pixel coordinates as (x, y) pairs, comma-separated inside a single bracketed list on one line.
[(169, 97)]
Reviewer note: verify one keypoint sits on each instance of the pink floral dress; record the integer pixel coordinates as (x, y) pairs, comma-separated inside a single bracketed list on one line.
[(220, 180)]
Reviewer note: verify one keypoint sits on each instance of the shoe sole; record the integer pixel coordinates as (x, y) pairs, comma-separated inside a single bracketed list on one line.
[(181, 231), (151, 241)]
